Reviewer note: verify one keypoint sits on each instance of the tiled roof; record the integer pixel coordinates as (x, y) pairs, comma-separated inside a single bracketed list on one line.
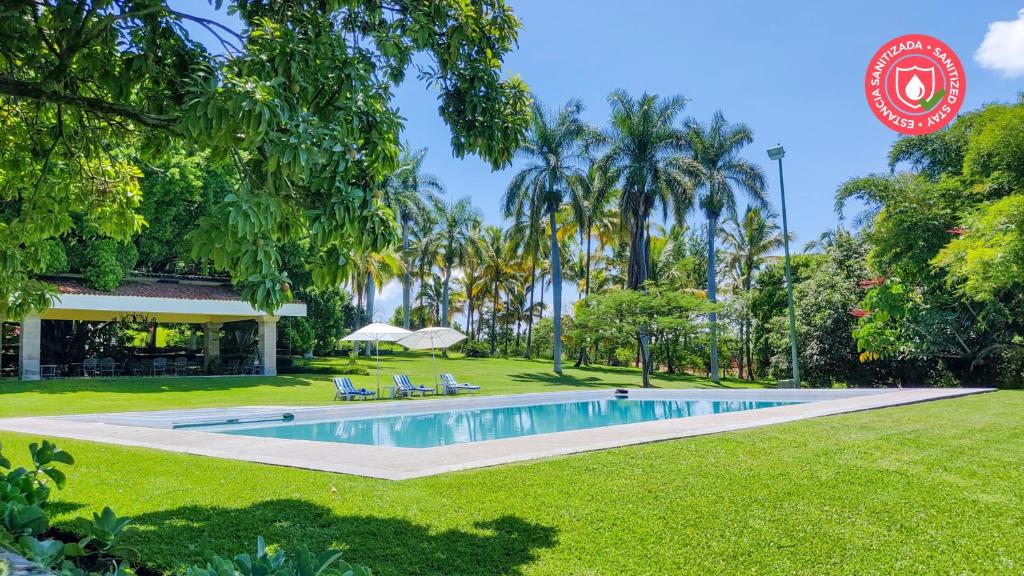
[(146, 288)]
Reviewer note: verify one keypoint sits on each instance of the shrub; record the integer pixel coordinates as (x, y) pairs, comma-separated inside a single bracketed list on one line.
[(56, 257), (297, 335), (97, 549), (477, 349), (105, 262)]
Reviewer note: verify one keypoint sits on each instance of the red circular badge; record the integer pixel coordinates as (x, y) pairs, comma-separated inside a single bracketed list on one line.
[(915, 84)]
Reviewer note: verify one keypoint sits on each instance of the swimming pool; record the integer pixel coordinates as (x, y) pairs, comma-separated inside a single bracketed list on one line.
[(442, 428)]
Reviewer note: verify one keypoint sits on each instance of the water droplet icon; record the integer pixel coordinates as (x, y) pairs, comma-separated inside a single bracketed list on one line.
[(914, 90)]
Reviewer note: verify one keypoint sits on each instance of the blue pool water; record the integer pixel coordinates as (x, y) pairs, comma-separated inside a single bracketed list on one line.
[(459, 426)]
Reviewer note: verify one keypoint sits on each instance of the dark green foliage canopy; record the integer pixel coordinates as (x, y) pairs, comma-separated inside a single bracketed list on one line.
[(299, 103)]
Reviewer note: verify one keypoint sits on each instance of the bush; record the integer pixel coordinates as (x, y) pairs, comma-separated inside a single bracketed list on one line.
[(97, 549), (56, 257), (476, 349), (104, 262), (297, 335)]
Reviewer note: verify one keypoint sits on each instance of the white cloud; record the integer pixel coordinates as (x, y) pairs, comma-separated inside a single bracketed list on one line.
[(1002, 49)]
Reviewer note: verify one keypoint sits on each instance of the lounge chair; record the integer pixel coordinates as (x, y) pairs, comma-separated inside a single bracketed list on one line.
[(346, 390), (452, 386), (405, 388)]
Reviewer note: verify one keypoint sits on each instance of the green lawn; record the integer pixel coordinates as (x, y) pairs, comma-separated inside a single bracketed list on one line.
[(931, 488), (495, 376)]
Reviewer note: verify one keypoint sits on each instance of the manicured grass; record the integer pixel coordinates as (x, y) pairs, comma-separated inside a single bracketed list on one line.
[(926, 489), (494, 375)]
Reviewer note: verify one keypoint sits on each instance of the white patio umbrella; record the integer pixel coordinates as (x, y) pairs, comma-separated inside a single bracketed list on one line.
[(432, 338), (378, 332)]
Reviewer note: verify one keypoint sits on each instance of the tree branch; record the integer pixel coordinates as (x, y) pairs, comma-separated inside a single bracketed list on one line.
[(22, 89)]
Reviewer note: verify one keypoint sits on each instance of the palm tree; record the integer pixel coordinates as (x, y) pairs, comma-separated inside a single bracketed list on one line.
[(713, 164), (591, 193), (642, 143), (404, 191), (474, 278), (496, 267), (553, 151), (424, 250), (527, 231), (457, 220), (749, 242)]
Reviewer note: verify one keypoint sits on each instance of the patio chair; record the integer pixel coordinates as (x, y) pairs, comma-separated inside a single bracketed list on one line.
[(405, 388), (48, 371), (90, 367), (345, 389), (181, 366), (452, 386), (160, 366), (108, 367)]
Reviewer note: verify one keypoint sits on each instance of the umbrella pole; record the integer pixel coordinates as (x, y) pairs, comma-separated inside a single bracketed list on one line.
[(433, 360), (378, 368)]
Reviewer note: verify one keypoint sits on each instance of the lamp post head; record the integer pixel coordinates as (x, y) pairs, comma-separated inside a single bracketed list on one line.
[(776, 152)]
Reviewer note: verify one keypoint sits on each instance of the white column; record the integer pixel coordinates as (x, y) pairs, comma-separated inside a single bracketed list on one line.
[(31, 336), (267, 343), (211, 344)]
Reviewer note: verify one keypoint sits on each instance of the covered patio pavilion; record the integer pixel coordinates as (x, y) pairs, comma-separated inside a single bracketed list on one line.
[(162, 299)]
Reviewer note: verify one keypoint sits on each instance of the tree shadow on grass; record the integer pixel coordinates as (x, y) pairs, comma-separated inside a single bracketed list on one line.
[(388, 546)]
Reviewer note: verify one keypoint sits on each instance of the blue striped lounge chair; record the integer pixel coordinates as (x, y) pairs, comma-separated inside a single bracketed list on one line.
[(346, 390), (403, 387), (452, 386)]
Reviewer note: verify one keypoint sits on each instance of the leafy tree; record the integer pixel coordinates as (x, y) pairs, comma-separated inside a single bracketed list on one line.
[(945, 240), (713, 164), (826, 293), (554, 152), (671, 317), (299, 103), (178, 189)]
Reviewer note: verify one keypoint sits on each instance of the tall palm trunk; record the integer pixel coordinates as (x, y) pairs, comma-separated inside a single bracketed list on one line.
[(494, 314), (406, 280), (638, 257), (556, 291), (712, 297), (582, 359), (443, 320), (529, 311)]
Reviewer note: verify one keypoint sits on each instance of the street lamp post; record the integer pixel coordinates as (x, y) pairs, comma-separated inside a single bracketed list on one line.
[(776, 153)]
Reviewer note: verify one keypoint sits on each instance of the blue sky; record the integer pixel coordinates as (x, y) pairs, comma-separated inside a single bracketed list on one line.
[(793, 71)]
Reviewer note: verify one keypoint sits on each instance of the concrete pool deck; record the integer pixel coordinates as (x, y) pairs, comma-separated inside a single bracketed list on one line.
[(155, 429)]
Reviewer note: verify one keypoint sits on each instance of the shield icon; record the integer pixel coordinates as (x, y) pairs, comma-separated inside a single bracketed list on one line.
[(913, 84)]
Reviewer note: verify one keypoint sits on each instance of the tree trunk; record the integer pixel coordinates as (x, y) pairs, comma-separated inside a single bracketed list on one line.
[(742, 340), (713, 317), (582, 359), (443, 320), (406, 281), (556, 294), (494, 315), (529, 312)]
